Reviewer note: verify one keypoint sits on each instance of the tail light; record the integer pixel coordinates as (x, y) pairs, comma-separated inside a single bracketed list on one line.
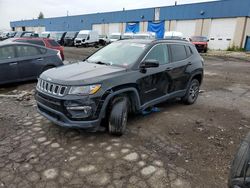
[(59, 54)]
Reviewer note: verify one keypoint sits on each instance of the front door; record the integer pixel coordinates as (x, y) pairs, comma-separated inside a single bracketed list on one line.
[(8, 65), (155, 82)]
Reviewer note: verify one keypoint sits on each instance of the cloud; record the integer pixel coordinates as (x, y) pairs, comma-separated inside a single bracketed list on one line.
[(12, 10)]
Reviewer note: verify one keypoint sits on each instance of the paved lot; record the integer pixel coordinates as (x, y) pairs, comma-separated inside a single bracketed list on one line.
[(180, 146)]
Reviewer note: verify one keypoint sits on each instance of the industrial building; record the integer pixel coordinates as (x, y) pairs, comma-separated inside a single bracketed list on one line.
[(226, 22)]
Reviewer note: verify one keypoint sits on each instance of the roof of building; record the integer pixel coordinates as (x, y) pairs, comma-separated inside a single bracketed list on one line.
[(213, 9)]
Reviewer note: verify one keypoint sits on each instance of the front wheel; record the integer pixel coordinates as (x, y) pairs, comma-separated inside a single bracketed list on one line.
[(118, 117), (192, 92)]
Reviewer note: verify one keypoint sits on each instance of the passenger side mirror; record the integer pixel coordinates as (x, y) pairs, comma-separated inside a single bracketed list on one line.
[(149, 63), (88, 38)]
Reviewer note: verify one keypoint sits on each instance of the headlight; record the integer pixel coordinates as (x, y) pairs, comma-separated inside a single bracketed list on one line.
[(84, 90)]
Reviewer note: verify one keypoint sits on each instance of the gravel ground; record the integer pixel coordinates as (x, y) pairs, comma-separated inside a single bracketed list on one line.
[(180, 146)]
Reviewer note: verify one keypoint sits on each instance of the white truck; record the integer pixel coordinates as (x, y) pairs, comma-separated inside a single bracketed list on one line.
[(145, 35), (86, 38)]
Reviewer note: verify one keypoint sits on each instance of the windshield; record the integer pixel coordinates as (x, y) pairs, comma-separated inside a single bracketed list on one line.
[(70, 34), (56, 36), (118, 53), (199, 39), (18, 34), (115, 36), (82, 36), (27, 34)]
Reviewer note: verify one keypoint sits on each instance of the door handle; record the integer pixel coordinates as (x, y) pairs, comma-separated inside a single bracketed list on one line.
[(39, 59), (169, 68), (12, 64)]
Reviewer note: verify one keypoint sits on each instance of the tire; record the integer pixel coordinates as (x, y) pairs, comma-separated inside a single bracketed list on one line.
[(118, 117), (205, 50), (192, 92), (238, 166)]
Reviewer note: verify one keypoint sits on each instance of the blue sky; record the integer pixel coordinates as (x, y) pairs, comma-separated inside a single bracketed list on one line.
[(12, 10)]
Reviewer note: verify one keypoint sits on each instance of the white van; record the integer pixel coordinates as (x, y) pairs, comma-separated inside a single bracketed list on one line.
[(173, 35), (144, 35), (86, 38), (128, 36), (115, 37)]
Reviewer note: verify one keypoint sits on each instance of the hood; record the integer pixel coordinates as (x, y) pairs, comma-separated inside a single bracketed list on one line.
[(82, 73), (199, 43)]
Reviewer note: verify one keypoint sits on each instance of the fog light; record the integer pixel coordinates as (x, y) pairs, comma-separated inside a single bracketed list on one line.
[(80, 111)]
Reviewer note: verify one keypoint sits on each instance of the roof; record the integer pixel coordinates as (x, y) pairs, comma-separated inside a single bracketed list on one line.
[(214, 9)]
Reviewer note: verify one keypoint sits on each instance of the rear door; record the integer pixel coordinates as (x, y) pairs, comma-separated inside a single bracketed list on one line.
[(31, 61), (8, 64), (180, 60)]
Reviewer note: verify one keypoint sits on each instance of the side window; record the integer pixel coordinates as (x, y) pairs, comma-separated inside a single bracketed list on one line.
[(178, 52), (160, 53), (189, 51), (7, 52), (24, 51)]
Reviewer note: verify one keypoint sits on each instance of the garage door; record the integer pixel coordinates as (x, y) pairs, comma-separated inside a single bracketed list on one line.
[(114, 28), (98, 28), (221, 33), (186, 27)]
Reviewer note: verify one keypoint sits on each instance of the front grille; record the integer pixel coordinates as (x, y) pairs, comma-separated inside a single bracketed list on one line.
[(51, 88), (78, 41)]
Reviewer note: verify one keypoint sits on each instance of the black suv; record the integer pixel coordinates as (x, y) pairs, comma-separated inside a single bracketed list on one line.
[(125, 76)]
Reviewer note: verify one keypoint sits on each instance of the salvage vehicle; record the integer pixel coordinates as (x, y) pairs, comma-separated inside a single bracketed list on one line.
[(7, 34), (49, 43), (104, 40), (58, 37), (20, 34), (145, 35), (200, 43), (86, 38), (115, 37), (128, 36), (69, 38), (125, 76), (22, 61)]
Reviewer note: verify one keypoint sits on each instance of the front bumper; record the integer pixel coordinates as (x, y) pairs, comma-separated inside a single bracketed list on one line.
[(55, 111)]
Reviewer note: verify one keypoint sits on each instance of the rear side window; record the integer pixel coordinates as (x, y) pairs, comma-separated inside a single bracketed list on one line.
[(7, 52), (53, 43), (178, 52), (160, 53), (37, 42), (24, 51), (189, 51)]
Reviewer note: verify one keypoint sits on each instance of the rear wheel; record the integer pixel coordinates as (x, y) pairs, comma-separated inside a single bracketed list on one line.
[(192, 92), (118, 116)]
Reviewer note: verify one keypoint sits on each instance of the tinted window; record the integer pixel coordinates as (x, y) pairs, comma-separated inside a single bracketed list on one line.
[(178, 52), (160, 53), (7, 52), (37, 42), (53, 43), (23, 51), (189, 51)]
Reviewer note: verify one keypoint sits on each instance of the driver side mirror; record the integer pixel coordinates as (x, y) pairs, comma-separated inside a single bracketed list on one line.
[(149, 63)]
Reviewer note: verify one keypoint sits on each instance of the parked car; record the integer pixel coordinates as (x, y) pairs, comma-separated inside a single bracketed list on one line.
[(200, 42), (125, 76), (104, 40), (4, 35), (115, 37), (45, 34), (86, 38), (12, 34), (20, 34), (128, 36), (146, 35), (69, 38), (173, 35), (58, 37), (22, 61), (49, 43)]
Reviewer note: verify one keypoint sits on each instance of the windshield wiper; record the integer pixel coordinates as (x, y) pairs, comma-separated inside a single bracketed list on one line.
[(102, 63)]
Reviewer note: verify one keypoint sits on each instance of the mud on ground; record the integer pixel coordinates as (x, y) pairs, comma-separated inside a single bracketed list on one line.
[(180, 146)]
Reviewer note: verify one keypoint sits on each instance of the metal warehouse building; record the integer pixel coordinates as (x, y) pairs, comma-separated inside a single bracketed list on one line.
[(225, 23)]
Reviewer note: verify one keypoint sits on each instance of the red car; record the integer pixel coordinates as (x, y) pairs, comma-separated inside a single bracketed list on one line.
[(49, 43), (200, 43)]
